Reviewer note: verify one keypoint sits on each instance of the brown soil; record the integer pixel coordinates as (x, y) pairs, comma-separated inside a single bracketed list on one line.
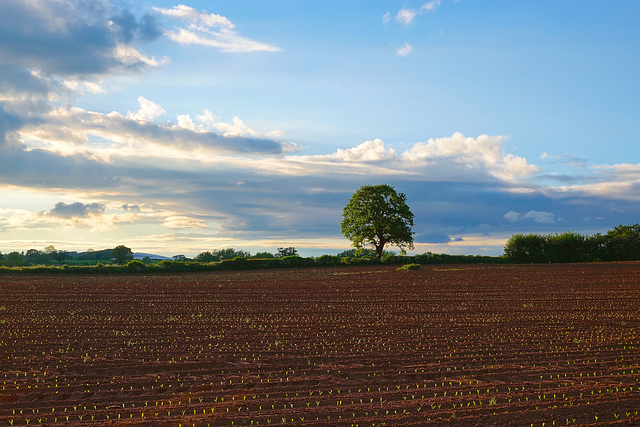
[(461, 345)]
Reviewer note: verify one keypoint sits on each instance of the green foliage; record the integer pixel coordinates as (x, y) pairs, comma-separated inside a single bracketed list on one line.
[(58, 255), (263, 255), (522, 248), (205, 257), (241, 263), (230, 253), (92, 255), (14, 259), (297, 261), (221, 254), (622, 243), (121, 254), (328, 260), (365, 260), (358, 253), (36, 257), (377, 215), (408, 267), (136, 266)]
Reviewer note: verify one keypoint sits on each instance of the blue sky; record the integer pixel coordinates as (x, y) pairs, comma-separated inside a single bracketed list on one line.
[(182, 127)]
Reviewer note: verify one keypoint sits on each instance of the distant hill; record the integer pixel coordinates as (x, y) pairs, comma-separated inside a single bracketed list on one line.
[(140, 256), (105, 255)]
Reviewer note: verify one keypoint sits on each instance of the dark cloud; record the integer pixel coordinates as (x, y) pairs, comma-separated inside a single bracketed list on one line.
[(68, 38), (91, 123), (432, 237), (19, 81), (8, 123), (76, 210), (130, 208), (44, 169), (127, 24), (146, 29)]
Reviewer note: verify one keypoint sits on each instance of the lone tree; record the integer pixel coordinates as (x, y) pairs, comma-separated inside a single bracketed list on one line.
[(377, 215), (122, 254)]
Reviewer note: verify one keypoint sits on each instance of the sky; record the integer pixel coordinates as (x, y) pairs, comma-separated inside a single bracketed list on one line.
[(181, 127)]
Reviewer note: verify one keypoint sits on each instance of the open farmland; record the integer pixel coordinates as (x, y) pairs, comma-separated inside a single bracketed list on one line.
[(467, 345)]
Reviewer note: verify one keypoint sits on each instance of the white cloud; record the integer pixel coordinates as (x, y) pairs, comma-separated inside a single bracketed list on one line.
[(131, 58), (70, 131), (236, 128), (209, 29), (540, 217), (368, 151), (148, 110), (430, 6), (386, 18), (406, 16), (197, 18), (185, 122), (512, 216), (483, 152), (404, 50)]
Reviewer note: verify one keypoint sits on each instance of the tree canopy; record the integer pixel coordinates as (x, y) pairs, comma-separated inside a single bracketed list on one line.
[(288, 251), (377, 215), (122, 254)]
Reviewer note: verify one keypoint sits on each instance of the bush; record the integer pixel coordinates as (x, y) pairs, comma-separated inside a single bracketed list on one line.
[(293, 261), (135, 266), (365, 260), (327, 261), (408, 267)]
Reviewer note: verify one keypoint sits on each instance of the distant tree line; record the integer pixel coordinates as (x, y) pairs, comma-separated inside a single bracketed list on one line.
[(230, 253), (622, 243), (241, 263), (121, 255)]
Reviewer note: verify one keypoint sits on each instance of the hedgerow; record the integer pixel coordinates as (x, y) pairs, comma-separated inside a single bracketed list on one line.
[(241, 263)]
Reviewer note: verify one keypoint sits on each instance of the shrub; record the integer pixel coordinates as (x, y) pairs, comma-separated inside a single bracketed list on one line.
[(365, 260), (297, 261), (327, 260), (135, 266), (408, 267)]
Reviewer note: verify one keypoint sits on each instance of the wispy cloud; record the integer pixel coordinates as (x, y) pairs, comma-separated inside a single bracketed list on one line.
[(212, 30), (430, 6), (404, 50), (406, 16)]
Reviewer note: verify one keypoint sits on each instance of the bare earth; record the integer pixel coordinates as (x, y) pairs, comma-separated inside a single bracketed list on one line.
[(446, 345)]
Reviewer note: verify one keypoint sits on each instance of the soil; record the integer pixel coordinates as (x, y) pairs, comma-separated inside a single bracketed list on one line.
[(464, 345)]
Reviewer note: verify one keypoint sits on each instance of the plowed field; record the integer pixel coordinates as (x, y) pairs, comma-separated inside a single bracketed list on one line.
[(462, 345)]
